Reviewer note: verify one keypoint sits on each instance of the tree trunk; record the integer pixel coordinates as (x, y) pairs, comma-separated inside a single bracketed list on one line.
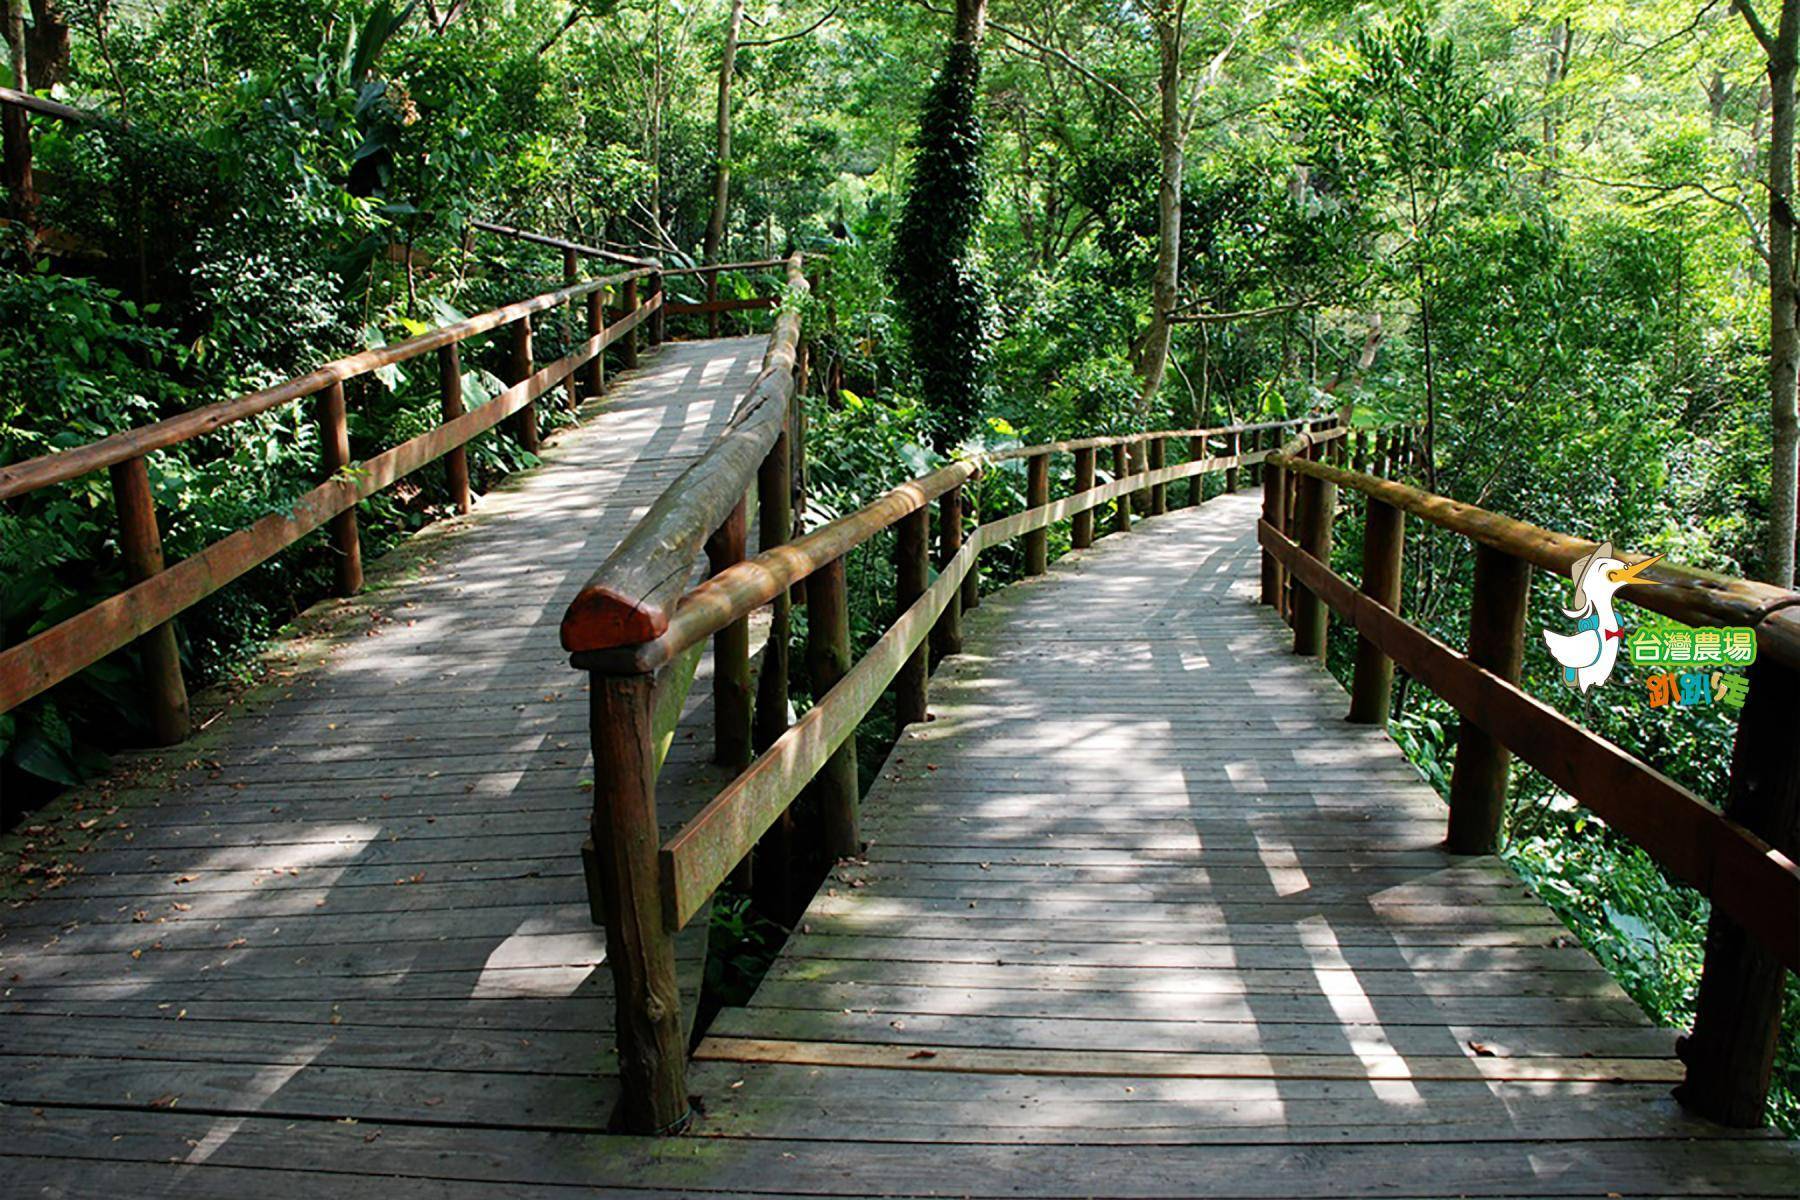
[(48, 44), (1153, 358), (1784, 340), (971, 21), (715, 227)]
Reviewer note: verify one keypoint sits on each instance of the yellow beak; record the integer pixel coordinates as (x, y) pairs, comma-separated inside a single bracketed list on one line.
[(1630, 574)]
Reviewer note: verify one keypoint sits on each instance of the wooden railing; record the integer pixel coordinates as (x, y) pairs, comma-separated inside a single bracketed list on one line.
[(638, 629), (160, 592), (1741, 859)]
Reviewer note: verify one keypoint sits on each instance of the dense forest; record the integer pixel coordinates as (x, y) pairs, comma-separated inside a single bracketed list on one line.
[(1542, 233)]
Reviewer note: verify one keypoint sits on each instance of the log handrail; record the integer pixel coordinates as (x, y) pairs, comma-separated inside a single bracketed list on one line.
[(631, 596), (1740, 857), (638, 630), (566, 245)]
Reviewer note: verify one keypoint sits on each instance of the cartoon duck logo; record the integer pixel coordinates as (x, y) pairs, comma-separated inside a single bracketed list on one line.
[(1587, 655)]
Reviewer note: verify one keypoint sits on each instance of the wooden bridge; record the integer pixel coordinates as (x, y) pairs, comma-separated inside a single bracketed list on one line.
[(1130, 909)]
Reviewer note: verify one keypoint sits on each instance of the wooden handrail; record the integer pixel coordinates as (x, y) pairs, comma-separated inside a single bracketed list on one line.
[(631, 597), (157, 596), (49, 108), (64, 465), (1684, 593), (639, 635), (1742, 858)]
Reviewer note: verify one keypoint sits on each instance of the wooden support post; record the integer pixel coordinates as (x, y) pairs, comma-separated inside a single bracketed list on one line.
[(834, 789), (1121, 506), (1730, 1056), (450, 392), (773, 879), (334, 452), (802, 367), (1081, 536), (970, 598), (1233, 447), (1196, 483), (1502, 590), (1037, 494), (639, 947), (571, 272), (659, 332), (912, 568), (1361, 443), (140, 544), (946, 635), (1159, 492), (596, 325), (731, 652), (1312, 619), (518, 369), (712, 297), (1384, 541), (628, 347), (21, 187), (775, 524), (1274, 502)]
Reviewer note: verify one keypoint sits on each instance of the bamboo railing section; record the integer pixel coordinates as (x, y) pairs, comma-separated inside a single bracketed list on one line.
[(1742, 858), (638, 629)]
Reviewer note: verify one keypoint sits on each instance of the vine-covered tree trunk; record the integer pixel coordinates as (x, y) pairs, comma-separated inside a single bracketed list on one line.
[(941, 294), (715, 226)]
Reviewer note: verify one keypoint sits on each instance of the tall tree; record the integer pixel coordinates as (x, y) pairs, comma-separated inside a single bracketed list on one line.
[(715, 225), (941, 294), (1781, 48)]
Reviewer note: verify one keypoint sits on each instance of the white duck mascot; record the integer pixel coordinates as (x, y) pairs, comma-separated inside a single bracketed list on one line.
[(1588, 654)]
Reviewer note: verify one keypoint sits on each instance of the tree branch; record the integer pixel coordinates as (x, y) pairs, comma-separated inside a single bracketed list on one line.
[(1757, 28), (790, 37)]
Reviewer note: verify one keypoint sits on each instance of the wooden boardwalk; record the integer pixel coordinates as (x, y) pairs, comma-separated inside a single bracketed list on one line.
[(1141, 916)]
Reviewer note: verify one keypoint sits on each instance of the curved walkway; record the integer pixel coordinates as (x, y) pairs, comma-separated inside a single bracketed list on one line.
[(1141, 915)]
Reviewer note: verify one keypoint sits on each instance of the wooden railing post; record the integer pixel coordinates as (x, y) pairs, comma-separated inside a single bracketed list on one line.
[(946, 635), (1730, 1055), (731, 652), (1233, 447), (775, 524), (834, 789), (773, 877), (519, 369), (1384, 541), (596, 325), (140, 543), (1312, 619), (1274, 514), (628, 346), (1037, 494), (912, 568), (334, 451), (450, 393), (1196, 483), (1081, 535), (1159, 492), (1121, 506), (1361, 442), (659, 332), (571, 272), (639, 947), (970, 598), (1502, 590), (712, 297)]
